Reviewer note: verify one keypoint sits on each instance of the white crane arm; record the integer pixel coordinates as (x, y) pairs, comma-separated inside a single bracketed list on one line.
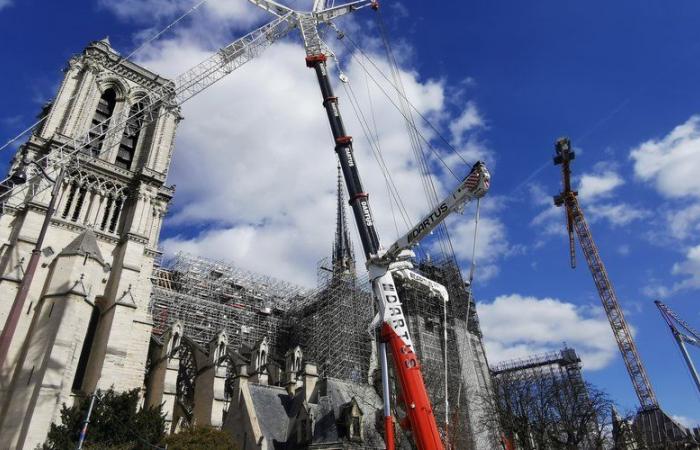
[(475, 185), (172, 95), (435, 288), (329, 14), (272, 7)]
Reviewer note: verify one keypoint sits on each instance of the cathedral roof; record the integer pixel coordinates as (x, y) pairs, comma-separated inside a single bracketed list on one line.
[(84, 245), (271, 404)]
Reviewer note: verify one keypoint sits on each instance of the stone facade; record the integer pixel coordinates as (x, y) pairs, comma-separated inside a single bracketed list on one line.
[(86, 323)]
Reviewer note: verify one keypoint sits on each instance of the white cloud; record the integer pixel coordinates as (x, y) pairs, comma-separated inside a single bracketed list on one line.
[(491, 244), (672, 163), (254, 162), (516, 326), (239, 13), (690, 267), (684, 223), (686, 421), (550, 221), (538, 195), (617, 214), (5, 3), (592, 186), (468, 120)]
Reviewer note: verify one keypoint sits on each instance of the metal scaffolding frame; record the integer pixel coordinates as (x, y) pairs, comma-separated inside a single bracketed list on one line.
[(331, 323), (209, 296), (425, 315), (564, 363)]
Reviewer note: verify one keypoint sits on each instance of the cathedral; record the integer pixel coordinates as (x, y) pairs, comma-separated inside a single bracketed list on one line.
[(274, 364)]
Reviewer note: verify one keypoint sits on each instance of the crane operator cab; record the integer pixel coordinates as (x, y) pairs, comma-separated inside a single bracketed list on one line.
[(563, 151)]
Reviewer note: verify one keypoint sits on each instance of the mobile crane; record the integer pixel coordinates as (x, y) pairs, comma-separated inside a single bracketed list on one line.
[(394, 327), (20, 188)]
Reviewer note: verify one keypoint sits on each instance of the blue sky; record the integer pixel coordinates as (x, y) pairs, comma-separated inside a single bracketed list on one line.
[(501, 80)]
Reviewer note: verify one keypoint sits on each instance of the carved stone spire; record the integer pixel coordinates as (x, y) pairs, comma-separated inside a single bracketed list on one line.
[(343, 257)]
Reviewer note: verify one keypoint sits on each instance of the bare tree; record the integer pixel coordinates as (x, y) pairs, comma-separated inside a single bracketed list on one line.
[(538, 411)]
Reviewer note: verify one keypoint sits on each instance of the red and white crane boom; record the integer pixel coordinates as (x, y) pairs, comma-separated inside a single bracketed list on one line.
[(623, 335), (394, 327)]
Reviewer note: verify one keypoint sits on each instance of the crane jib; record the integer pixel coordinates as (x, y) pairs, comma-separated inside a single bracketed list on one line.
[(417, 232)]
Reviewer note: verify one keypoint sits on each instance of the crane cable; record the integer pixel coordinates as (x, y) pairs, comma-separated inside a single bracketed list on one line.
[(472, 269), (342, 35), (120, 62), (413, 107), (374, 144), (391, 100), (429, 186)]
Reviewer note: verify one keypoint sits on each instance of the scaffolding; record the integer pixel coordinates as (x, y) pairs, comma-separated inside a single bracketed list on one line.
[(563, 363), (332, 324), (210, 296), (462, 365)]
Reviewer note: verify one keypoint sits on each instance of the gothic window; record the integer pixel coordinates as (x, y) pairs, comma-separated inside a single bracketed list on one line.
[(69, 202), (263, 359), (186, 379), (80, 201), (356, 429), (115, 215), (110, 217), (100, 121), (105, 217), (127, 146), (174, 344)]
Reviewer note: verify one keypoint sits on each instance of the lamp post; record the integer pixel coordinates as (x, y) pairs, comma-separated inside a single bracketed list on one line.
[(10, 327)]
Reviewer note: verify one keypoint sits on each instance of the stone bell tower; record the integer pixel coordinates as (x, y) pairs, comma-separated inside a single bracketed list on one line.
[(85, 322)]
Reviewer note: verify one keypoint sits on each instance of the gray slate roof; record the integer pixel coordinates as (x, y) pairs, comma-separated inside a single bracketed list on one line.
[(85, 244), (276, 412), (272, 405)]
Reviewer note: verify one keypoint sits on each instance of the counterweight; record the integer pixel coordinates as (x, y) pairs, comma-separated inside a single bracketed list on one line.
[(623, 336)]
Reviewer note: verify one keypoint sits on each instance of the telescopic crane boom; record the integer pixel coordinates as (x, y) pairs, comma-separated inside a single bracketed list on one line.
[(683, 333), (623, 336), (394, 327)]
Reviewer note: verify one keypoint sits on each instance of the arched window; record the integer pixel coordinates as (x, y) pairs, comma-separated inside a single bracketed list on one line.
[(221, 352), (127, 146), (100, 121)]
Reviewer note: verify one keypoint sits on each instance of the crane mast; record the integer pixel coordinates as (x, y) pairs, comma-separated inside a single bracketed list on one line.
[(683, 333), (623, 336)]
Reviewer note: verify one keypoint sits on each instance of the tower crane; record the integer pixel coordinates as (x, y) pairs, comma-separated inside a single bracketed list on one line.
[(20, 188), (683, 333), (577, 222)]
